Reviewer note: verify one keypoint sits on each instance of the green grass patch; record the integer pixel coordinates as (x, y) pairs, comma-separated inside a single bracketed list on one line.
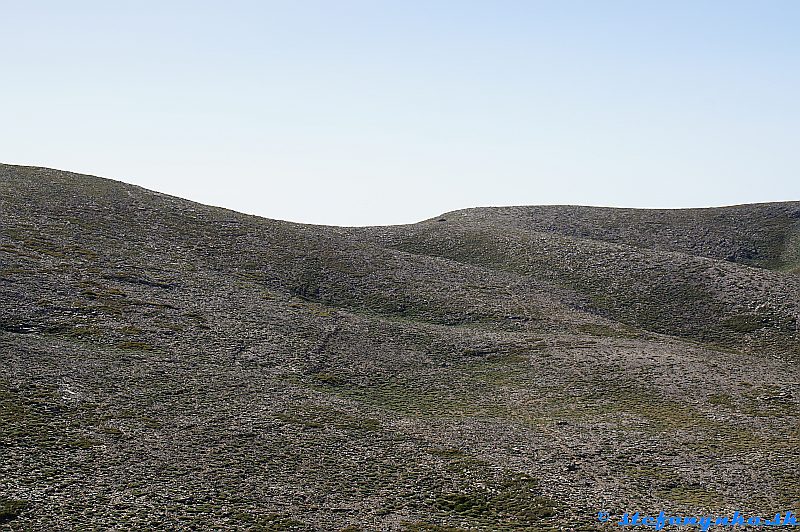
[(693, 496)]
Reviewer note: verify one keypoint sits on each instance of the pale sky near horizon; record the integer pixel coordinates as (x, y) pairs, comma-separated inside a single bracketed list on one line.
[(375, 112)]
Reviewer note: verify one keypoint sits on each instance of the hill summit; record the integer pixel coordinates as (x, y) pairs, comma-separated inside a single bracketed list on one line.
[(174, 366)]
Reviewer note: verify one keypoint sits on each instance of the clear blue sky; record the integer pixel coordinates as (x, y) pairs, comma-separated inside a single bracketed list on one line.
[(376, 112)]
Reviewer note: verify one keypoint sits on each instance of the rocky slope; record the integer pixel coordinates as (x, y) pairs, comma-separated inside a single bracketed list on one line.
[(170, 366)]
